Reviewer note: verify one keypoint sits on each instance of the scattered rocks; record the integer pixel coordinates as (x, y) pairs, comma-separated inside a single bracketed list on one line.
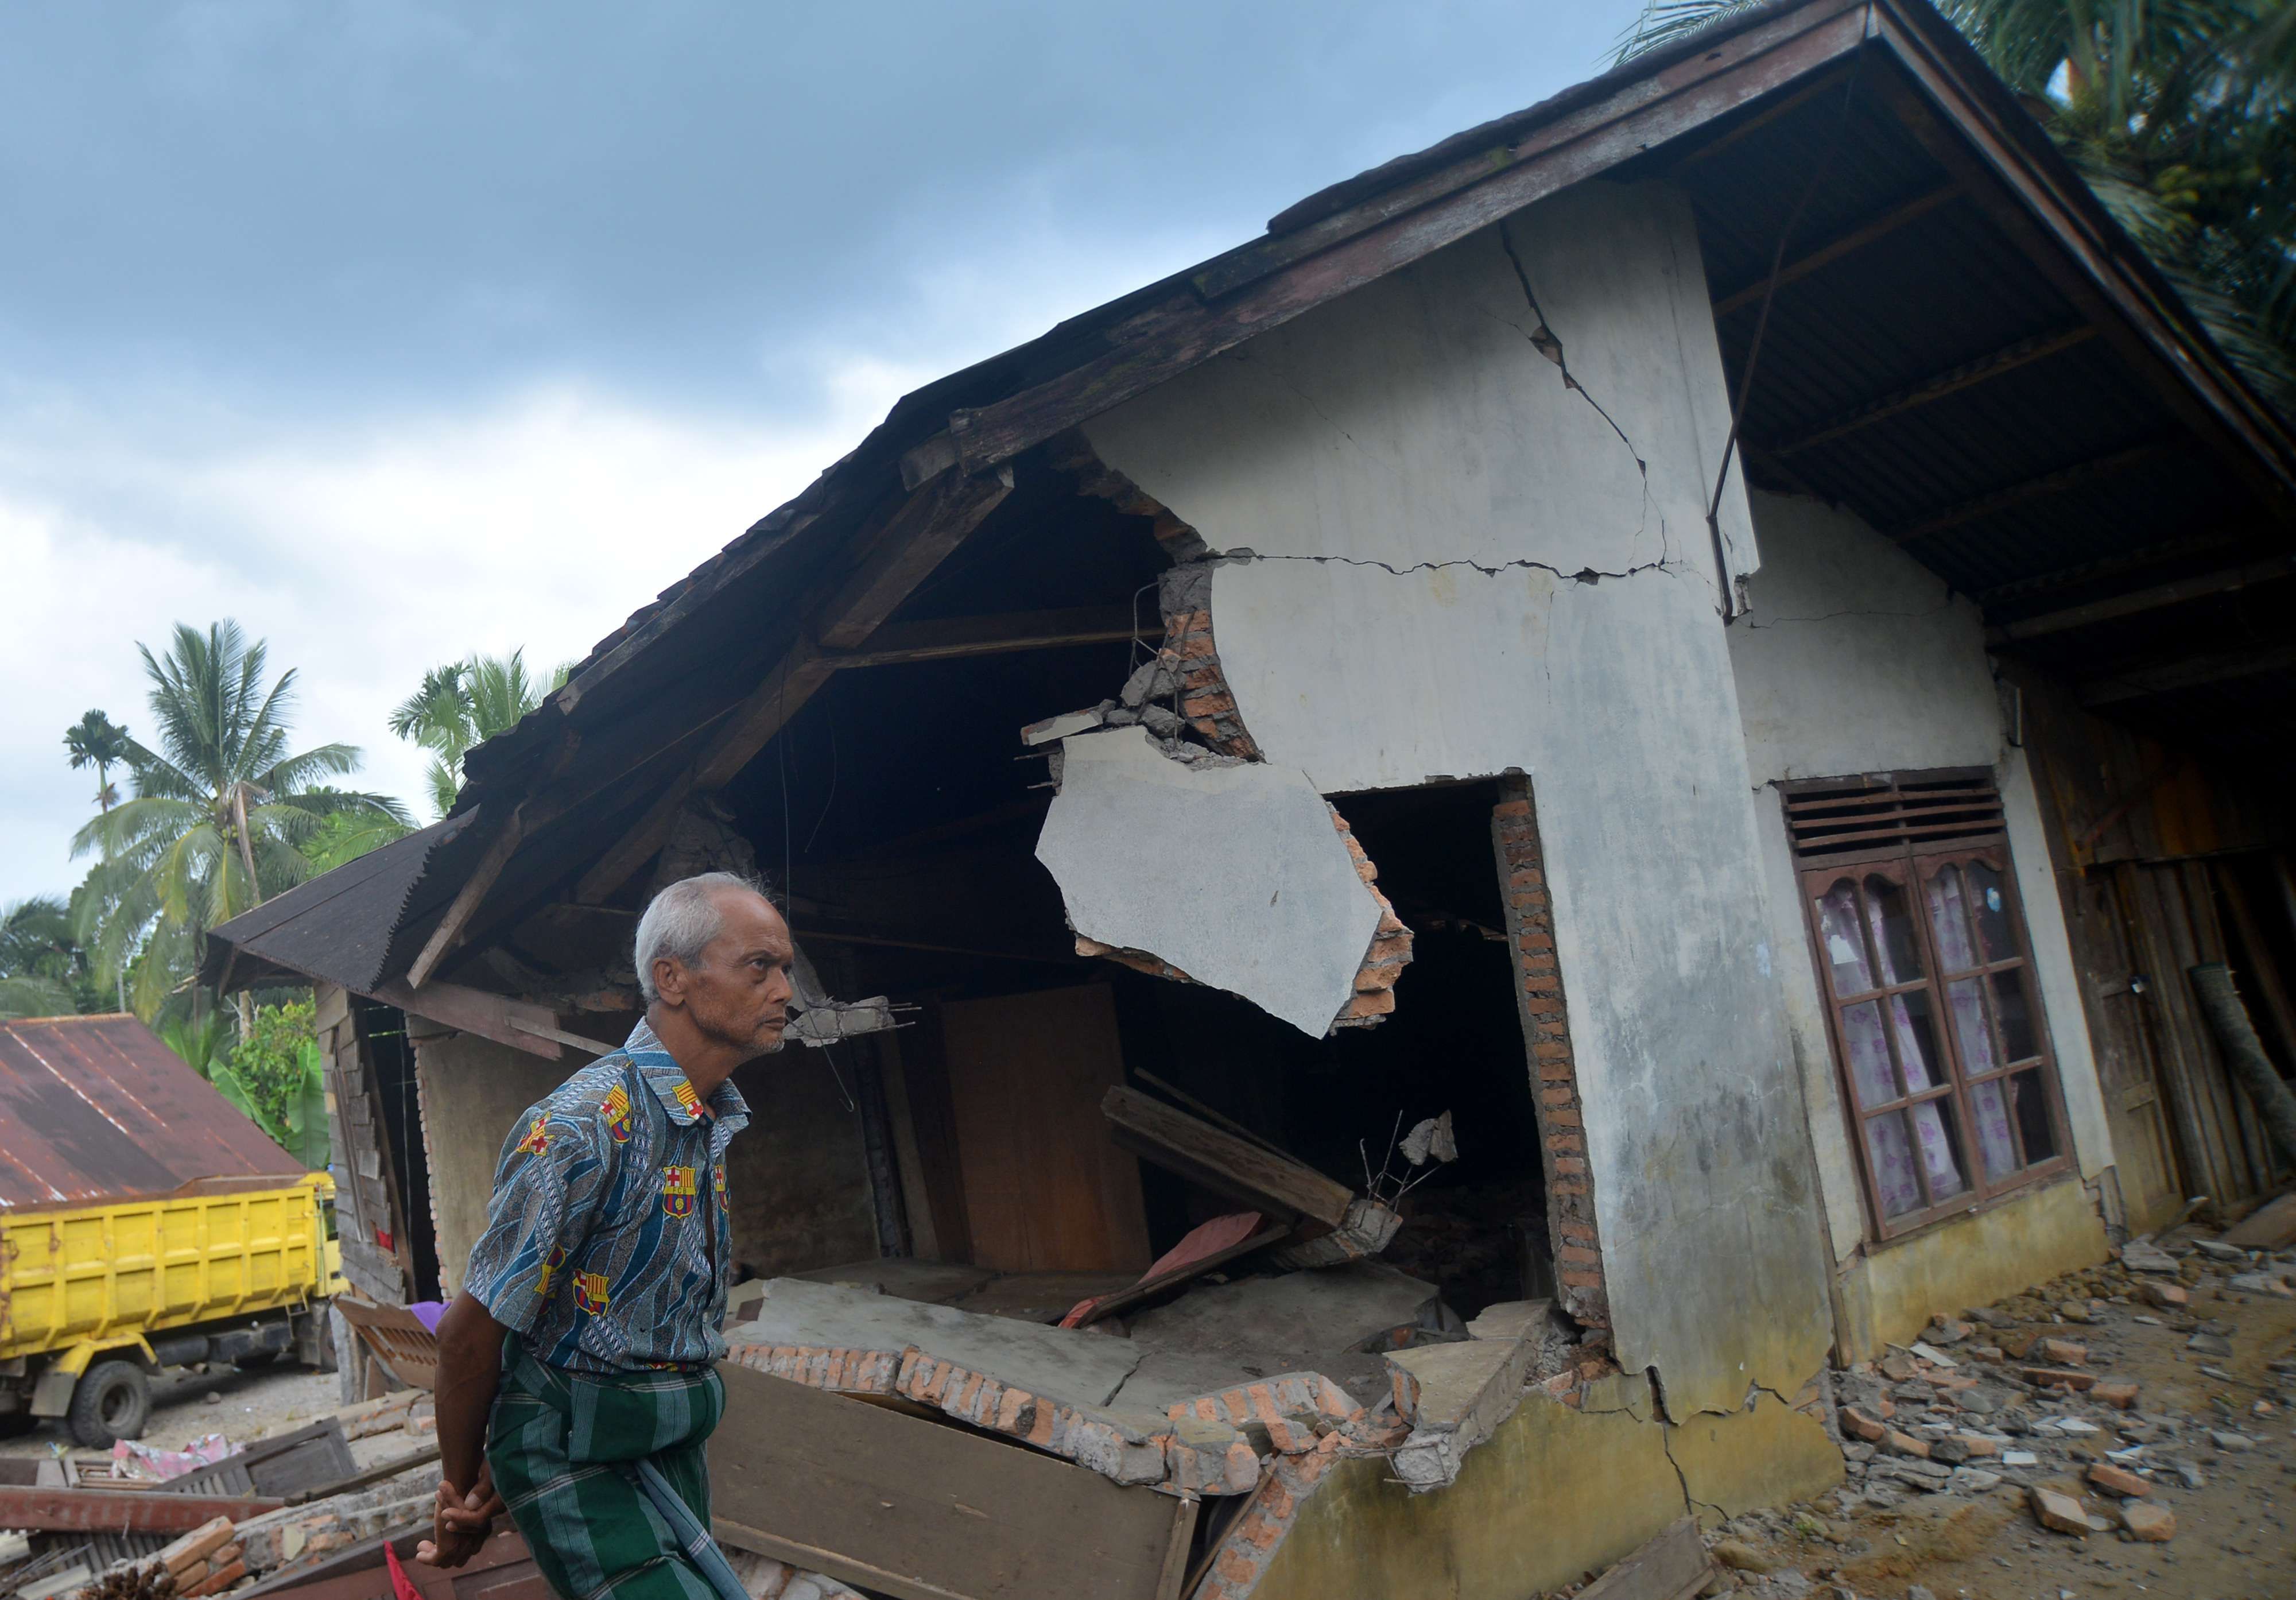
[(1946, 1331), (1858, 1423), (2060, 1352), (2169, 1297), (2234, 1443), (2120, 1393), (2210, 1344), (1741, 1557), (2217, 1250), (2154, 1524), (2060, 1513), (2117, 1481)]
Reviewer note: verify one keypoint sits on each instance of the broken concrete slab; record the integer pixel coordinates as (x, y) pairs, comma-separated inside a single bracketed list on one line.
[(1454, 1397), (2270, 1226), (937, 1283), (1261, 897), (1332, 1311), (1076, 1368)]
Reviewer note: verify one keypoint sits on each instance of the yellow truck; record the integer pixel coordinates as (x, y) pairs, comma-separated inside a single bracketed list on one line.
[(145, 1222)]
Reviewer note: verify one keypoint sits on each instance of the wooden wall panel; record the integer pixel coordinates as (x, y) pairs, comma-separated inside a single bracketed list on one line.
[(1045, 1188)]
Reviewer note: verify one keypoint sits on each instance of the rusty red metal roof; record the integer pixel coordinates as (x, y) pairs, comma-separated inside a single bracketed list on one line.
[(96, 1108)]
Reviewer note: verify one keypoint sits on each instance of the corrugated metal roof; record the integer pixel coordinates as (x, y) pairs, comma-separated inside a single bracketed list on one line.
[(338, 925), (94, 1109)]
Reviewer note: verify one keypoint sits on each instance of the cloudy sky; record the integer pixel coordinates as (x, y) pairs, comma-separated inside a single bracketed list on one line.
[(397, 330)]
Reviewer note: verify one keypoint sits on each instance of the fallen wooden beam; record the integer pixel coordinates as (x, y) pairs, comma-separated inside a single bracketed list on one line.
[(1214, 1159), (945, 638), (1673, 1566), (119, 1510)]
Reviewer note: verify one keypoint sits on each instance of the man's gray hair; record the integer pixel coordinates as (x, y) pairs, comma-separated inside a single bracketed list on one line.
[(682, 920)]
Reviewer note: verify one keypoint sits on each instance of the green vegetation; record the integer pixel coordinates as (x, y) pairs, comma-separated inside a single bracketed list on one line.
[(220, 813), (463, 703), (43, 970), (96, 741), (276, 1075), (2177, 113)]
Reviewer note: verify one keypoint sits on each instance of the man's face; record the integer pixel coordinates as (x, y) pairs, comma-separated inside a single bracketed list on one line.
[(739, 993)]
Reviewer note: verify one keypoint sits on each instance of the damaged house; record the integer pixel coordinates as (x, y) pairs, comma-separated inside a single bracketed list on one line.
[(1477, 838)]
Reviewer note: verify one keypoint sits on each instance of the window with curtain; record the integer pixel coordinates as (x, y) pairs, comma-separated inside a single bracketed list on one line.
[(1937, 1024)]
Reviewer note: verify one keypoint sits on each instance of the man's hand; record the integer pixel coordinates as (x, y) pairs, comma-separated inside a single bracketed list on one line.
[(460, 1523)]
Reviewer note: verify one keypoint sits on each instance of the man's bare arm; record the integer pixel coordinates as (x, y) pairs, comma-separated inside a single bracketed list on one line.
[(470, 1371)]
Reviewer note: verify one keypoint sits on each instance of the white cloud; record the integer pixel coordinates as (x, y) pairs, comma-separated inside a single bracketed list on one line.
[(541, 523)]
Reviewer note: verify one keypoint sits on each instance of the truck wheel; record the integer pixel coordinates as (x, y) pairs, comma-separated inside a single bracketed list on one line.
[(111, 1402)]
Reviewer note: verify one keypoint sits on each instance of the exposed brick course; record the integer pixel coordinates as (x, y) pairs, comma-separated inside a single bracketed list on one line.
[(1546, 1024)]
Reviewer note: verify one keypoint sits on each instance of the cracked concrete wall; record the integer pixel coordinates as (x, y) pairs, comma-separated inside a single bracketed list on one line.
[(1420, 489), (1854, 658)]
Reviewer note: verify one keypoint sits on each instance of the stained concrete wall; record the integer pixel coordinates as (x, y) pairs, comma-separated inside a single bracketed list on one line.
[(1462, 566), (1853, 658), (796, 1178)]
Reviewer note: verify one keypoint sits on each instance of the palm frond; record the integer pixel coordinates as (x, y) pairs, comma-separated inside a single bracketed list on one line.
[(1665, 22)]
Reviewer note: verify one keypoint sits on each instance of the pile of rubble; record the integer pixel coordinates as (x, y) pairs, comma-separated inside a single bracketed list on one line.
[(2020, 1403)]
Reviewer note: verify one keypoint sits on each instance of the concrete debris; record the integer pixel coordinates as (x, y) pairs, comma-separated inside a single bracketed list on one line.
[(2060, 1513), (1430, 1139), (1272, 906)]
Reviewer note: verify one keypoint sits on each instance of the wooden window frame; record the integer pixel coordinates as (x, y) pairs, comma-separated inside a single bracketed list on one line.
[(1912, 866)]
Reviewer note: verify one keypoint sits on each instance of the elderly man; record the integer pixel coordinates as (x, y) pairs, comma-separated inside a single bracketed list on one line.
[(576, 1383)]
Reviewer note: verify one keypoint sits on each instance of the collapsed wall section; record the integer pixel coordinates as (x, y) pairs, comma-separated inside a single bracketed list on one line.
[(1461, 519)]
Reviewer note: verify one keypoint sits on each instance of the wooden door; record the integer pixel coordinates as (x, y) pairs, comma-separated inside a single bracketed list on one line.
[(1045, 1188), (2121, 1034)]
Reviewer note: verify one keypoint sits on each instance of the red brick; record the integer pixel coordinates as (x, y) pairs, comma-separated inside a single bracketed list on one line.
[(1377, 1003), (1567, 1185), (2116, 1391), (1579, 1278), (1560, 1093), (1261, 1531), (1511, 807), (2113, 1479), (1578, 1255), (1565, 1143), (1576, 1233), (1236, 1567), (1562, 1116), (1859, 1425)]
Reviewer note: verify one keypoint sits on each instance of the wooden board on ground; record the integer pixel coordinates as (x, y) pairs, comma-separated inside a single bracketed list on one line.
[(1214, 1159), (2270, 1226), (306, 1458), (925, 1511), (397, 1337), (42, 1510), (1673, 1566), (503, 1568)]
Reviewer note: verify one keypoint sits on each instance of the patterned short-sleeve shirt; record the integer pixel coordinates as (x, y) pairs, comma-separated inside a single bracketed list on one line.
[(607, 1246)]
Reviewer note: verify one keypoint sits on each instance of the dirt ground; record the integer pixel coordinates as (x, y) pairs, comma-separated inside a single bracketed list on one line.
[(187, 1403), (1883, 1538)]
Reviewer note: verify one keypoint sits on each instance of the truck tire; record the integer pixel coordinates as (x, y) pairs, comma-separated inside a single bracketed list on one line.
[(112, 1401)]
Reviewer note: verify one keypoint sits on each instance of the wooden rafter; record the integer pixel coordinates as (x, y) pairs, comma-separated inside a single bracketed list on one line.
[(2058, 579), (2196, 588), (2191, 673), (1841, 244), (947, 638), (2033, 489), (917, 537), (1969, 375)]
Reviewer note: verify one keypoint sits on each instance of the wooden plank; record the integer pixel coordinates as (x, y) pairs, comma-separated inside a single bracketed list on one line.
[(1333, 257), (922, 1510), (1044, 1189), (1833, 250), (40, 1510), (2135, 682), (2012, 495), (1215, 1159), (480, 1012), (449, 933), (1673, 1566), (919, 536), (951, 638), (1149, 1288), (2268, 1227), (1953, 381), (2220, 582), (931, 523)]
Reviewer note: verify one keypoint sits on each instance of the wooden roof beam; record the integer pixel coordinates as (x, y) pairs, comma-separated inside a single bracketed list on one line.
[(952, 637), (2192, 673), (1843, 244), (1953, 381), (2221, 582), (2031, 489), (917, 538)]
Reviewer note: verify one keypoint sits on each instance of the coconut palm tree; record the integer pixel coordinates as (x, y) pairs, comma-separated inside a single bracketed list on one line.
[(98, 742), (465, 703), (43, 970), (2181, 115), (219, 812)]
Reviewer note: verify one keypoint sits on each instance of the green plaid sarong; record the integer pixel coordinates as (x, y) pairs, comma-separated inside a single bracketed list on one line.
[(563, 1448)]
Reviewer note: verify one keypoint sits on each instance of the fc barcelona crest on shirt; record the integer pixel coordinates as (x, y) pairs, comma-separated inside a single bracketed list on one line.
[(687, 1098), (616, 1108), (550, 1264), (590, 1292), (717, 1177), (677, 1190), (536, 1140)]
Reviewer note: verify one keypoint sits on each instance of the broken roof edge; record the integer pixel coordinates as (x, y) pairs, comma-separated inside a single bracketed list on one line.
[(921, 416), (358, 903)]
